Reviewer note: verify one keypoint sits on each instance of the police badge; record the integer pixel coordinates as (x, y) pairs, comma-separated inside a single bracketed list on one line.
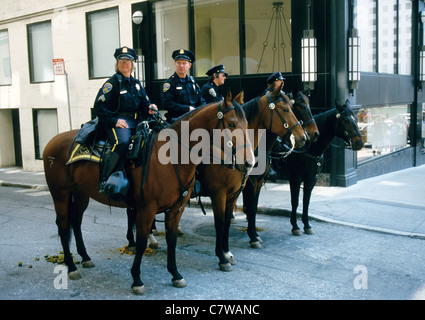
[(212, 92), (166, 87)]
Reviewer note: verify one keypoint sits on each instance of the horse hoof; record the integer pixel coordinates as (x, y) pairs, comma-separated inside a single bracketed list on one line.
[(229, 256), (88, 264), (296, 232), (255, 244), (180, 232), (154, 245), (74, 275), (226, 267), (180, 283), (259, 239), (308, 231), (132, 249), (139, 290)]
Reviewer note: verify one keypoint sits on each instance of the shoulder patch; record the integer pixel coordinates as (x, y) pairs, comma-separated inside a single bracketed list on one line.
[(166, 87), (212, 92), (106, 88)]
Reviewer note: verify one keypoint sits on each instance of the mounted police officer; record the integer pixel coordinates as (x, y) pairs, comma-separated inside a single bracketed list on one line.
[(275, 80), (180, 93), (120, 105), (211, 91)]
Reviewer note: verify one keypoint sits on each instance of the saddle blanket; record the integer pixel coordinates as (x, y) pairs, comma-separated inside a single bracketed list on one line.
[(83, 152)]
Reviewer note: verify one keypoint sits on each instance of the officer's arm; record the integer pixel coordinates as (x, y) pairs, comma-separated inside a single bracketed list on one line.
[(105, 105)]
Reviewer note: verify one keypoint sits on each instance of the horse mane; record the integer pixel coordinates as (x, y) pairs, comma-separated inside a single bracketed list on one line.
[(251, 108)]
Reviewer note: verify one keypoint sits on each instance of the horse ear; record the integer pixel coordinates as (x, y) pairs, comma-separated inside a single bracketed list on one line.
[(239, 98), (347, 103), (228, 98)]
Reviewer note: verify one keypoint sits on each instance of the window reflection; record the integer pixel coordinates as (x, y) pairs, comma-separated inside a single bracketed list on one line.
[(423, 129), (387, 36), (384, 130), (216, 35), (405, 37), (171, 34), (366, 23)]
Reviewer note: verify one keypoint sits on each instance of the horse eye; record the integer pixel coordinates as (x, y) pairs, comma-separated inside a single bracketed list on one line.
[(232, 125)]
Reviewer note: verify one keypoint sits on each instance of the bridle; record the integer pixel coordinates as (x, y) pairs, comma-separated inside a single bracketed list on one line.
[(347, 137), (229, 143), (272, 106)]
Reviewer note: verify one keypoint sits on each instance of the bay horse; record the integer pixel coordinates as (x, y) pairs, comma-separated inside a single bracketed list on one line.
[(166, 186), (303, 167), (251, 192), (269, 115)]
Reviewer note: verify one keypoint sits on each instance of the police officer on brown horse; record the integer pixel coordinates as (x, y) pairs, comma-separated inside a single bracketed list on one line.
[(211, 91), (120, 105), (180, 93)]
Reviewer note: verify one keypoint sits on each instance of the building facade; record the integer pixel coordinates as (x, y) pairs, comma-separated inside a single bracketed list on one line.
[(55, 58)]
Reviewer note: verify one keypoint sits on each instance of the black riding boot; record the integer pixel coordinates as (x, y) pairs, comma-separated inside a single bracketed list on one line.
[(108, 167)]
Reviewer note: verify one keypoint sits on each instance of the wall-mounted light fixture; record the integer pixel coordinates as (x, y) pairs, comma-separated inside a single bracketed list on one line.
[(308, 59), (421, 79), (138, 19), (353, 58), (308, 53), (422, 67)]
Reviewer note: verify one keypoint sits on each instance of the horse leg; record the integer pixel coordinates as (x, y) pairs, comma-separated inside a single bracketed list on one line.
[(218, 202), (308, 189), (131, 222), (143, 226), (62, 209), (251, 194), (171, 226), (228, 220), (295, 186), (78, 204)]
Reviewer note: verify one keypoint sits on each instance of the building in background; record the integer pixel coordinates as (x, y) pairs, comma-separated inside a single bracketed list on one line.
[(367, 51)]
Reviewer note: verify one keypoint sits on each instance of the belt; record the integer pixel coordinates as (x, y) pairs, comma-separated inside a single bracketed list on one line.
[(128, 114)]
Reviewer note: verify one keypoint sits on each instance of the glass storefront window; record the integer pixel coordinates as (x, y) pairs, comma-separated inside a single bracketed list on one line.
[(384, 130), (268, 36), (366, 24), (171, 25), (216, 35), (423, 129)]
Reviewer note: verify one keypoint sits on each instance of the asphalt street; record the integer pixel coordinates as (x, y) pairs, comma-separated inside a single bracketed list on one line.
[(338, 262)]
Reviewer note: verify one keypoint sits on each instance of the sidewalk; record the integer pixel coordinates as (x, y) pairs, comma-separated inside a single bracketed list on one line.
[(392, 203)]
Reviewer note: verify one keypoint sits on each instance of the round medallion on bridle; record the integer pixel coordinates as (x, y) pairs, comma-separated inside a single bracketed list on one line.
[(272, 106), (220, 115)]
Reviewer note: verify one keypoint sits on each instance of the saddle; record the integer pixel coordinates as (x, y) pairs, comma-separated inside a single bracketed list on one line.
[(91, 145)]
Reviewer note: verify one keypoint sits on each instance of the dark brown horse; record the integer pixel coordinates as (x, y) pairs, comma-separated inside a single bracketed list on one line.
[(270, 115), (303, 167), (166, 188), (251, 193)]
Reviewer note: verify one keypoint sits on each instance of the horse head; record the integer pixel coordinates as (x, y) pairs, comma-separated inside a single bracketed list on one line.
[(347, 127), (234, 129), (301, 108), (282, 120)]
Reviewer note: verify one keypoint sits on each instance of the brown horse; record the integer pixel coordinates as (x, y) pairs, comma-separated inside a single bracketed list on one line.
[(251, 193), (166, 187), (270, 115)]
